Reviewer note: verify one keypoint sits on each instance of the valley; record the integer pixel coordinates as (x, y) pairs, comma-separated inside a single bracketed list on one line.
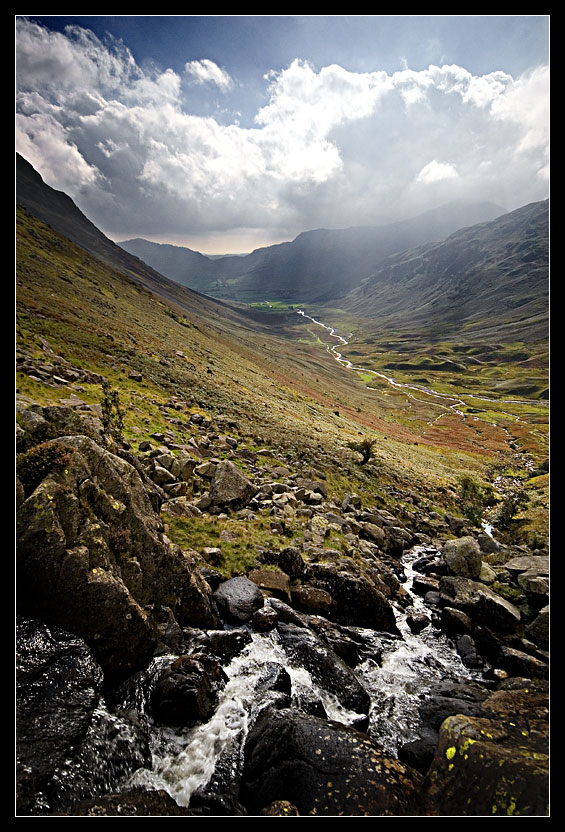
[(198, 522)]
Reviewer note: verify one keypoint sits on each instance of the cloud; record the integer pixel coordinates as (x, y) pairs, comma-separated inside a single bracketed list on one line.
[(206, 71), (329, 147), (436, 172)]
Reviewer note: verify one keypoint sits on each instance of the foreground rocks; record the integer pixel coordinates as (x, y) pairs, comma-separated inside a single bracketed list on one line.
[(92, 555), (323, 768), (114, 596)]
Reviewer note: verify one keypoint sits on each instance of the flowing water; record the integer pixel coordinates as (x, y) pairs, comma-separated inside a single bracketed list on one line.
[(187, 760)]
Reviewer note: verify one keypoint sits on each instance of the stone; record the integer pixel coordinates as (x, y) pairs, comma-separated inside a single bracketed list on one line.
[(323, 769), (186, 692), (481, 603), (463, 557), (238, 599), (493, 764), (230, 488)]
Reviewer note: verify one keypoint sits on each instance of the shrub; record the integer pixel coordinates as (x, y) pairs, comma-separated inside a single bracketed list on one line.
[(475, 496), (364, 447), (41, 460), (112, 413)]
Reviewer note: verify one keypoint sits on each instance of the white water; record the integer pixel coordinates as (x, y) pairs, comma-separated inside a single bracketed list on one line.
[(185, 761)]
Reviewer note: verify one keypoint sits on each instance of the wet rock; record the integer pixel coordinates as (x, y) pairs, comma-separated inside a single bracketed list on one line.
[(324, 769), (356, 599), (225, 644), (238, 599), (481, 603), (58, 686), (264, 619), (186, 692), (280, 808), (132, 803), (326, 668), (496, 763)]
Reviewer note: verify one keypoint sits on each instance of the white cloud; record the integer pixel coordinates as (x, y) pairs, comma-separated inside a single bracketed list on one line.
[(206, 71), (436, 172), (330, 146)]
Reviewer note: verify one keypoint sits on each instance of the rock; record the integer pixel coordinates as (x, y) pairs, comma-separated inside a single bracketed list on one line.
[(280, 808), (238, 599), (79, 534), (356, 599), (229, 487), (487, 544), (264, 619), (136, 802), (481, 603), (493, 764), (324, 769), (312, 600), (225, 644), (463, 557), (274, 582), (186, 692), (288, 559), (538, 630), (417, 621), (58, 686), (326, 668)]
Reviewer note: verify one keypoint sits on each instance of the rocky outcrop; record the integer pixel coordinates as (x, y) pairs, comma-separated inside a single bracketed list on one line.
[(92, 554)]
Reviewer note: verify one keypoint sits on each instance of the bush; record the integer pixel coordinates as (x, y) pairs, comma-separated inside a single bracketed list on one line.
[(364, 447), (475, 497), (34, 465), (112, 413)]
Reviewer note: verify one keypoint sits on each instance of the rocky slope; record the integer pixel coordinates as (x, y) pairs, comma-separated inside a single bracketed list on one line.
[(102, 590)]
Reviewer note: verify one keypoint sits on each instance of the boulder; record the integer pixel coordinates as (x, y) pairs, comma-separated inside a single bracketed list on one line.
[(494, 763), (481, 603), (330, 672), (463, 557), (323, 769), (238, 599), (229, 488), (186, 692), (356, 599)]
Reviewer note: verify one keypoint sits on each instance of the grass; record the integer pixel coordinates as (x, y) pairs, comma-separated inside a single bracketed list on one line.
[(285, 391)]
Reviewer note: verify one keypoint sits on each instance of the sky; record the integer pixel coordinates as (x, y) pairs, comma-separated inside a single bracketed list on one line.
[(228, 133)]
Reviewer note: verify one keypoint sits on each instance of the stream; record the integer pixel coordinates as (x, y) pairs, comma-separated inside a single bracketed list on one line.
[(211, 755), (457, 402)]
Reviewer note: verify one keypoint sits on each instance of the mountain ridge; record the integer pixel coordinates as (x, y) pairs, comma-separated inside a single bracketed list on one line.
[(319, 265)]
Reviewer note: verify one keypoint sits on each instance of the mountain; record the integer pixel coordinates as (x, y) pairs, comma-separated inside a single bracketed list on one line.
[(318, 266), (60, 212), (490, 280)]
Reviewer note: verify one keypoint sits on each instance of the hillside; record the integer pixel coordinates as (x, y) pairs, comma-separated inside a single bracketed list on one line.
[(487, 281), (318, 266), (217, 525)]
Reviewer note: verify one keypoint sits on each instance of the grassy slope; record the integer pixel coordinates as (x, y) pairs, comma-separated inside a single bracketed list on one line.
[(286, 392)]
